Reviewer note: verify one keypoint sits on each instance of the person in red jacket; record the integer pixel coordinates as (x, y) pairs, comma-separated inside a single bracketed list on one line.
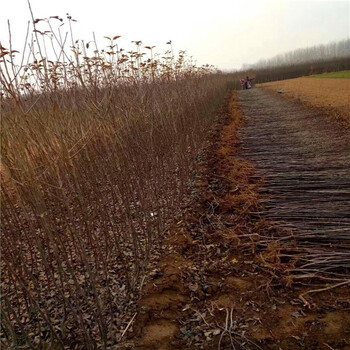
[(247, 83)]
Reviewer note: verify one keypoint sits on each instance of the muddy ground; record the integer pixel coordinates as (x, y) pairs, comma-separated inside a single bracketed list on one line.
[(217, 286)]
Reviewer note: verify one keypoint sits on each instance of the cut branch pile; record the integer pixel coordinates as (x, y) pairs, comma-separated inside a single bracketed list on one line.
[(305, 162)]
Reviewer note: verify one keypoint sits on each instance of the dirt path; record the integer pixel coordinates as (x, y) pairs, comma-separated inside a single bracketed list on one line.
[(305, 159)]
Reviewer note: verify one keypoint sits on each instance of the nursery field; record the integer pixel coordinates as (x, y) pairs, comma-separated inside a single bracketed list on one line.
[(97, 153), (146, 203), (325, 91)]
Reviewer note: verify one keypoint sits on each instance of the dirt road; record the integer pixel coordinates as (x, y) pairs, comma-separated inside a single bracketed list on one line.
[(305, 160)]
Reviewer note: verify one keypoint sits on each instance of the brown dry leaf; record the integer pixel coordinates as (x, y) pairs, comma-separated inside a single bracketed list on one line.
[(193, 287)]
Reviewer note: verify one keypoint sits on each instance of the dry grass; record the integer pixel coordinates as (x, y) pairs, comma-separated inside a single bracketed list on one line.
[(328, 94)]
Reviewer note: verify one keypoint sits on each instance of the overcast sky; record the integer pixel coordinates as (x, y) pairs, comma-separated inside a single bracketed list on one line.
[(225, 33)]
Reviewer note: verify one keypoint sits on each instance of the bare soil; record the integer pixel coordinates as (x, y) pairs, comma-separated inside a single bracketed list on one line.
[(326, 94), (215, 287)]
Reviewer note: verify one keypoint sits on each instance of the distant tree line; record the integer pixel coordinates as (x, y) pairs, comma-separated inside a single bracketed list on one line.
[(331, 51), (333, 57), (298, 70)]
